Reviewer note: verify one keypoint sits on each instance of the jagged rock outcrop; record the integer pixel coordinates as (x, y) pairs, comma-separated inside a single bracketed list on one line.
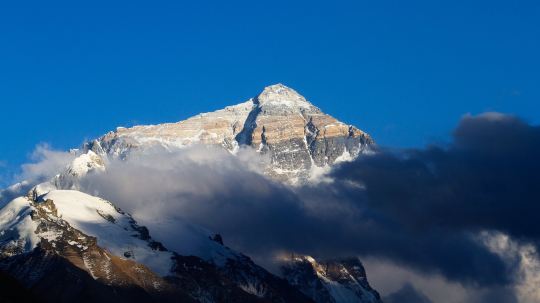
[(297, 136), (331, 281)]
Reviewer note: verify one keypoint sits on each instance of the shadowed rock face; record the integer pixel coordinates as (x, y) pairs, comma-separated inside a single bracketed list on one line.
[(54, 278), (12, 291), (279, 123), (332, 281), (239, 281)]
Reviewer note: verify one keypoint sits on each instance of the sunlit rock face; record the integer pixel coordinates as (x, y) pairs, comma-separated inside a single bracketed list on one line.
[(279, 123)]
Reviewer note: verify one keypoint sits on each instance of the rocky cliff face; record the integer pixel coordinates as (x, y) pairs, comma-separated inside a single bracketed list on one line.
[(331, 281), (279, 123)]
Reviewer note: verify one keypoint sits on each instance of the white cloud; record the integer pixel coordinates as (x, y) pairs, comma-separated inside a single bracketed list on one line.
[(526, 256), (45, 163)]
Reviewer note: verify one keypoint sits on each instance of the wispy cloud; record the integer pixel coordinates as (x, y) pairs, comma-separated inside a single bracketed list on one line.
[(45, 163)]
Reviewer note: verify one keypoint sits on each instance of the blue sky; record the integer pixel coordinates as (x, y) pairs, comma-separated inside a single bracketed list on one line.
[(405, 71)]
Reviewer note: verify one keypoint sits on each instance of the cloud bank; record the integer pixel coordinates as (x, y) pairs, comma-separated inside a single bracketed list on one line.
[(408, 294), (426, 209)]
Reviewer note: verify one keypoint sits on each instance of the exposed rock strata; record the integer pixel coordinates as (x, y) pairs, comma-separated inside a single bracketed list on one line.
[(279, 122)]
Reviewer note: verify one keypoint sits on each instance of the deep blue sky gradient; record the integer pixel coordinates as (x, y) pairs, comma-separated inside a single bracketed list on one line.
[(405, 71)]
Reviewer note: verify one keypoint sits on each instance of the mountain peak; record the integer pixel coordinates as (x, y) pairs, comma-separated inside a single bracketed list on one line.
[(282, 96), (299, 138), (279, 88)]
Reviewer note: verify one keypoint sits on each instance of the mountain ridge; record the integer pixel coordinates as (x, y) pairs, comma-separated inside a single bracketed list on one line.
[(55, 219)]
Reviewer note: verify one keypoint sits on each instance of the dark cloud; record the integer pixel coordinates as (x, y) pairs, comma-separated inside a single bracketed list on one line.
[(407, 294), (421, 208), (496, 295), (487, 179)]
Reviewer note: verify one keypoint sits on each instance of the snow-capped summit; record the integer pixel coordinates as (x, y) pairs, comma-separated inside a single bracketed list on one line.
[(281, 95), (298, 137)]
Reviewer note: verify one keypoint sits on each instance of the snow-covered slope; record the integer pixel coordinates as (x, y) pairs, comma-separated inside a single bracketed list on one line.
[(41, 248), (114, 230), (17, 229)]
